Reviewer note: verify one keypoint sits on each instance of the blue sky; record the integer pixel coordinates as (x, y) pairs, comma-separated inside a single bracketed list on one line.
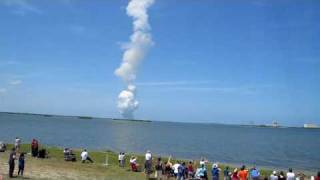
[(212, 61)]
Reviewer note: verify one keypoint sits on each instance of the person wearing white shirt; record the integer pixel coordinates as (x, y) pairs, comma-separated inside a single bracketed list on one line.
[(175, 168), (85, 156), (290, 175), (148, 156), (148, 164), (274, 176), (121, 159), (134, 165), (17, 143)]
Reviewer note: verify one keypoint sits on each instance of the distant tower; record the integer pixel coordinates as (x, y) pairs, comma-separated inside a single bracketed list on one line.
[(275, 124)]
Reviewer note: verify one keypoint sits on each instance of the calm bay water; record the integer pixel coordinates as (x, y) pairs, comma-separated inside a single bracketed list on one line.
[(271, 147)]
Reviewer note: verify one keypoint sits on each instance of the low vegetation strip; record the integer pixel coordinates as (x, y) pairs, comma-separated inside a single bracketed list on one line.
[(105, 166)]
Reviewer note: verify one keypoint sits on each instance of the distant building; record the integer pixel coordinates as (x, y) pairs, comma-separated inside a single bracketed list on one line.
[(275, 124), (310, 126)]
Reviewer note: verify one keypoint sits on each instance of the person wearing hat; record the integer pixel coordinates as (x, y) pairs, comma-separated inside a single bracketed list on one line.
[(235, 174), (274, 176), (215, 172)]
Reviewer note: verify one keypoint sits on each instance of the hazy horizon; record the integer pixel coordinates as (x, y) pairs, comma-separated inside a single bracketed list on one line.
[(209, 61)]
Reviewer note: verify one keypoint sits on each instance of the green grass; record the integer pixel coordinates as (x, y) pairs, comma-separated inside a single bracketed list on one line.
[(56, 164)]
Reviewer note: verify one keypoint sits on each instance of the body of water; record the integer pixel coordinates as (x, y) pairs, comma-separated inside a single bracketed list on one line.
[(269, 147)]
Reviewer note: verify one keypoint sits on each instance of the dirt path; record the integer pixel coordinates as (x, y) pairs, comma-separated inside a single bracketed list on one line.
[(57, 169)]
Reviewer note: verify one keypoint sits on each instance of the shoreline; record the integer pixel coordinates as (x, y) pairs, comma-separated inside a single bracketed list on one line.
[(85, 117), (100, 156)]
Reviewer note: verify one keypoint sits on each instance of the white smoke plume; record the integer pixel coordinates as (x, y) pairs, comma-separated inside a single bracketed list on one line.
[(135, 51)]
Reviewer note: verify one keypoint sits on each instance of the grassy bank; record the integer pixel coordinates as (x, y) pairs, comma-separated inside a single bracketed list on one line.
[(56, 168)]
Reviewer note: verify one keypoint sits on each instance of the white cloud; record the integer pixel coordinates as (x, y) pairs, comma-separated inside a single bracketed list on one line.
[(21, 7), (15, 82)]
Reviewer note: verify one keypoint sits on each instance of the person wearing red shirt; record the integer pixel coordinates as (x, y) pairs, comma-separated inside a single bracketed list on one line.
[(243, 173)]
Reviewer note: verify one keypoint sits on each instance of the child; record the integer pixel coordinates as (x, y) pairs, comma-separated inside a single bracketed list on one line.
[(21, 164)]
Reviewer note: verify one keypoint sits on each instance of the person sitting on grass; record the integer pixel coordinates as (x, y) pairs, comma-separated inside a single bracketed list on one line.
[(3, 147), (69, 155), (34, 148), (21, 164), (85, 156), (134, 165)]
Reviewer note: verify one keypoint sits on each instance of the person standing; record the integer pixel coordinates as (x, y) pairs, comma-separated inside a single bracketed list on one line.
[(201, 173), (175, 168), (226, 174), (21, 164), (235, 174), (215, 172), (274, 176), (121, 159), (148, 164), (290, 175), (318, 176), (181, 171), (281, 176), (17, 143), (190, 170), (159, 169), (11, 162), (255, 174), (243, 173)]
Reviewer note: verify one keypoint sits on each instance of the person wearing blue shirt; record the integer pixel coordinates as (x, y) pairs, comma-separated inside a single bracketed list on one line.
[(255, 174), (181, 171), (215, 172)]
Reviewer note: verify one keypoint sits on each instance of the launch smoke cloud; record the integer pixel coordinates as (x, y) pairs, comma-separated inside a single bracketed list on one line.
[(135, 51)]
